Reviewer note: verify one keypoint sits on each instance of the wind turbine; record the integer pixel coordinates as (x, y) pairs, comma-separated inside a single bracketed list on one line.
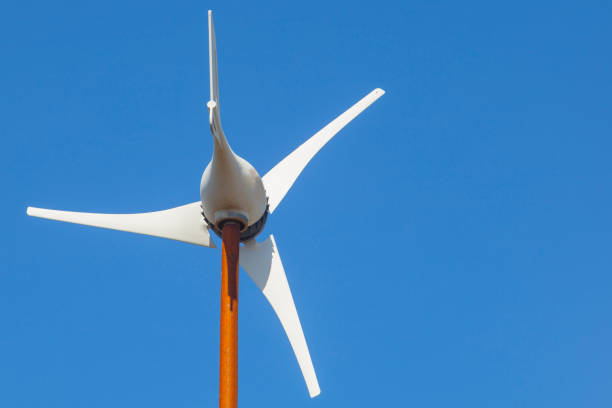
[(235, 203)]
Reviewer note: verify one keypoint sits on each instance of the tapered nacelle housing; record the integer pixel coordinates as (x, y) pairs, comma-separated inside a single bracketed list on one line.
[(231, 189)]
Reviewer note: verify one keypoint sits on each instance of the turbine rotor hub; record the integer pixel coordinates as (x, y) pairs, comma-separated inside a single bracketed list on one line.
[(247, 232), (223, 216)]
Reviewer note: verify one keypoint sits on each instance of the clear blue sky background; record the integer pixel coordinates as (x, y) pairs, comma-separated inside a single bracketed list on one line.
[(451, 247)]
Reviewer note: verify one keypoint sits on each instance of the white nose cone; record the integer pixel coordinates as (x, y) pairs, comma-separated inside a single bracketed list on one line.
[(231, 189)]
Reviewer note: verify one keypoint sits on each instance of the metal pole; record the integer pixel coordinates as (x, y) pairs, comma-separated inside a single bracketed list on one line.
[(228, 361)]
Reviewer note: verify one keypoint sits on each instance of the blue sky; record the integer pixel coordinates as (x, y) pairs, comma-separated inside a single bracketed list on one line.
[(450, 247)]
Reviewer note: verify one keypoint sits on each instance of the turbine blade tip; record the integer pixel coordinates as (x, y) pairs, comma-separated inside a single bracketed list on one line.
[(29, 210), (380, 91)]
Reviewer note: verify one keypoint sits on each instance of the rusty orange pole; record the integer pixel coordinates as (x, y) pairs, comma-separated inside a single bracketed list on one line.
[(228, 361)]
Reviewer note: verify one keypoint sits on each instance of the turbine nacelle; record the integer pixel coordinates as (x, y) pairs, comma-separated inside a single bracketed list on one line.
[(232, 190)]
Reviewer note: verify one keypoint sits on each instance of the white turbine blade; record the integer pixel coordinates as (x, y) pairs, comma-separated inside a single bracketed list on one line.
[(184, 223), (212, 60), (262, 263), (214, 112), (279, 180)]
